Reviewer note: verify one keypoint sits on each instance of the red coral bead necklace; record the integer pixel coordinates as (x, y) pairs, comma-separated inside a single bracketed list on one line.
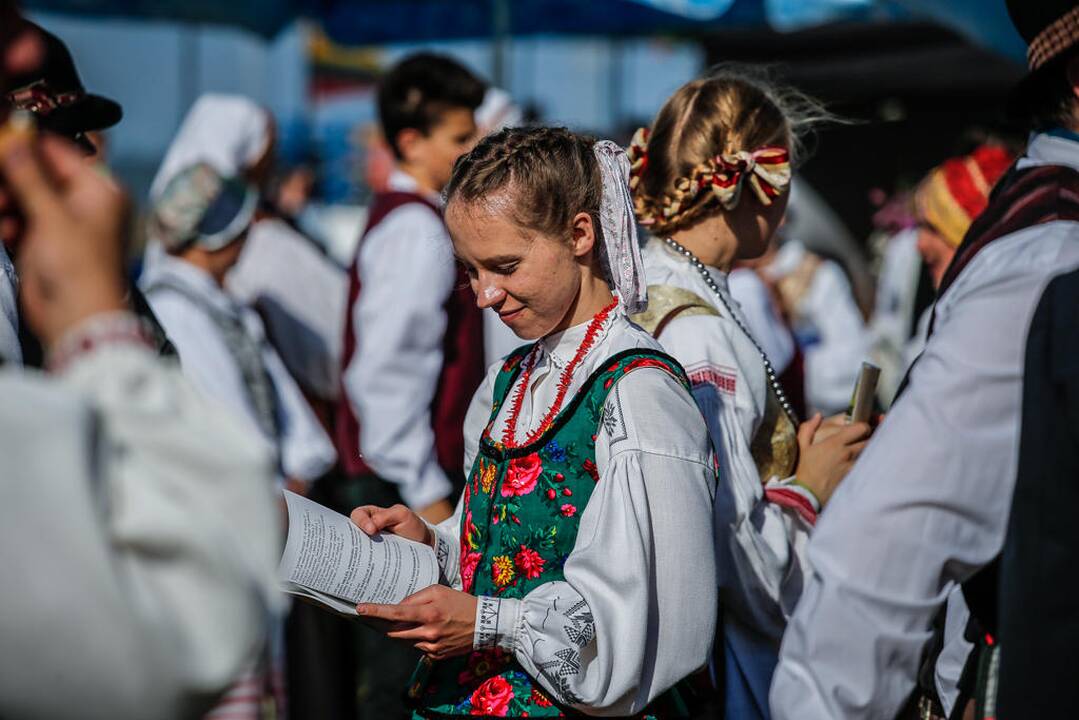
[(510, 431)]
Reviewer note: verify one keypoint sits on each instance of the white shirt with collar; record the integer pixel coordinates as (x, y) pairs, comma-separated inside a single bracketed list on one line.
[(643, 564), (927, 503), (407, 272), (306, 451)]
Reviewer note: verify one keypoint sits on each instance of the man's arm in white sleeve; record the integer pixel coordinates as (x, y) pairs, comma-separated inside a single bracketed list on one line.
[(140, 538), (925, 506)]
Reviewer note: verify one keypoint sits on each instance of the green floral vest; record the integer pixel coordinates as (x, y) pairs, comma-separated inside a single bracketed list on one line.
[(521, 511)]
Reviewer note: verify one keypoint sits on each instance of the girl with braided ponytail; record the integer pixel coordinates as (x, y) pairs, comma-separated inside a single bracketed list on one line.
[(710, 181), (580, 561)]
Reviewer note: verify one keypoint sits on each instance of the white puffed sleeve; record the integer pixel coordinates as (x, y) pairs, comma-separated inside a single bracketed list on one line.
[(636, 612), (760, 543)]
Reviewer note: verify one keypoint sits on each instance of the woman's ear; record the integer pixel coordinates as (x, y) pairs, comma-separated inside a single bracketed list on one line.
[(584, 234)]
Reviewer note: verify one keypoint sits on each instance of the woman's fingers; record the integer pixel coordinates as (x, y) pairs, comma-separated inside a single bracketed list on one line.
[(361, 518), (393, 613), (808, 429)]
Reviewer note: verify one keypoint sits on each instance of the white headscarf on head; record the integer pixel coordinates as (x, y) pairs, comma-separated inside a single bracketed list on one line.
[(620, 227), (228, 132)]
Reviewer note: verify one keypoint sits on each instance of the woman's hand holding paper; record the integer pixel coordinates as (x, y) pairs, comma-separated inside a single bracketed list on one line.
[(438, 620), (398, 520)]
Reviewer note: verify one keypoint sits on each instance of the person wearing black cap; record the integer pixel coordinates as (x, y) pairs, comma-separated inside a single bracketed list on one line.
[(50, 89), (926, 508), (53, 92)]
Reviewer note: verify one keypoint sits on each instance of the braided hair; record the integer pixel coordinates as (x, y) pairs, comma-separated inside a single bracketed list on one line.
[(550, 173), (733, 109)]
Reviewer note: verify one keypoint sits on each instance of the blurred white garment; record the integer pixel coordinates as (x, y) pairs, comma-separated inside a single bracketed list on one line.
[(229, 132), (893, 319), (762, 316), (10, 348), (826, 322), (301, 295), (306, 452), (927, 504), (406, 272), (139, 532), (649, 616), (497, 111)]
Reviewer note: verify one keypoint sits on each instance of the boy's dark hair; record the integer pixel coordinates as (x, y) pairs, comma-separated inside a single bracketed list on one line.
[(418, 90)]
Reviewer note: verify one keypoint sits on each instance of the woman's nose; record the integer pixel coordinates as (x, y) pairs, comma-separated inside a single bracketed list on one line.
[(487, 293)]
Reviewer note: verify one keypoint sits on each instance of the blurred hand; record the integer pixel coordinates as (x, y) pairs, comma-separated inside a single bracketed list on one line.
[(398, 520), (823, 465), (436, 512), (70, 258), (829, 427), (438, 620)]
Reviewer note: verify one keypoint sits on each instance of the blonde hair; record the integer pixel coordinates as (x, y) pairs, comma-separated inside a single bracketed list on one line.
[(734, 110)]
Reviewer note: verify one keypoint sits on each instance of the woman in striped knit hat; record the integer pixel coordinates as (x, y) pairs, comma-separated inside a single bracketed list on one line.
[(950, 197)]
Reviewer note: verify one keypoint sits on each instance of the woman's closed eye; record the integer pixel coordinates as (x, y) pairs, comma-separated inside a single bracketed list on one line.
[(505, 268)]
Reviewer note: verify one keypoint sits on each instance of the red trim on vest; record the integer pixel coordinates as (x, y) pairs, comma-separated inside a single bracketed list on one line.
[(462, 360)]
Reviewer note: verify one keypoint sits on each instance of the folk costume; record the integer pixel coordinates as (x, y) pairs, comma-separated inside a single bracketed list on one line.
[(927, 504), (763, 519), (137, 581), (223, 351), (298, 292), (762, 516), (411, 359), (585, 526)]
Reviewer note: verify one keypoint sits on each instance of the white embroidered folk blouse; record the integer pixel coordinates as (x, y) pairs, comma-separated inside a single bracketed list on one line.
[(760, 545), (642, 571)]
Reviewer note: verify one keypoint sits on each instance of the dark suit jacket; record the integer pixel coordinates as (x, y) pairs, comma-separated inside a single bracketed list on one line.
[(1038, 618)]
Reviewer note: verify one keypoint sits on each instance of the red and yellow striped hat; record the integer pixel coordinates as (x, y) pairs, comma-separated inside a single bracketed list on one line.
[(957, 191)]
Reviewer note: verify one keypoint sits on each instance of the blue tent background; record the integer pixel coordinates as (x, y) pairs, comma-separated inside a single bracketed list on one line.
[(373, 22)]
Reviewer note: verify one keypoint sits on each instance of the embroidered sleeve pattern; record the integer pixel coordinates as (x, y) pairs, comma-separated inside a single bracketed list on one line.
[(560, 662)]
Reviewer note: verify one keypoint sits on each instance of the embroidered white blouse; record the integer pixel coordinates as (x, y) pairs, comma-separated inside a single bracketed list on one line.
[(640, 584), (760, 545)]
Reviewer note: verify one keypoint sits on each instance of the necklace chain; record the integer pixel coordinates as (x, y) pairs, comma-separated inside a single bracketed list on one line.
[(510, 431), (769, 370)]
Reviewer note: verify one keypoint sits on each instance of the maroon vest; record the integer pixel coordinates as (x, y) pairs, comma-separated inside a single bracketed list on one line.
[(462, 359)]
